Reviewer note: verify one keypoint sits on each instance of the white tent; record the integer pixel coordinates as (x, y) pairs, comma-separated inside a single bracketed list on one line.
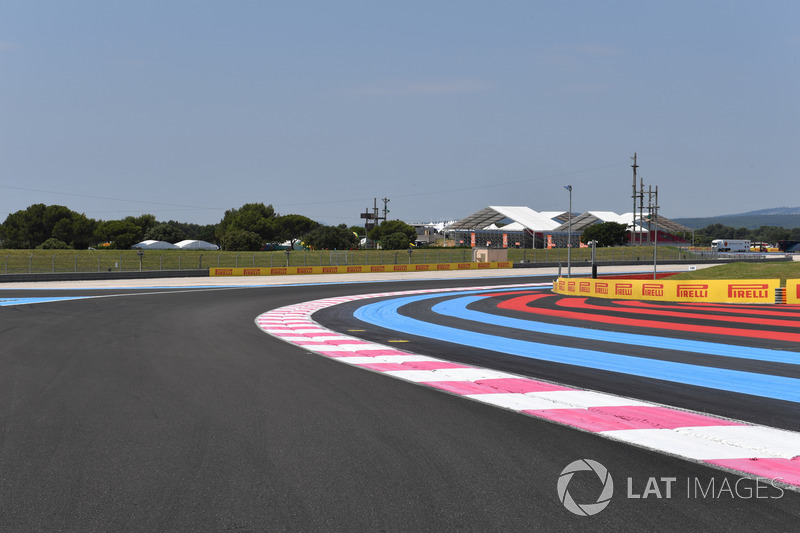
[(150, 244), (196, 245), (526, 217)]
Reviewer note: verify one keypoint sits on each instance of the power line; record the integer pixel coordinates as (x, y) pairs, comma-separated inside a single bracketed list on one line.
[(493, 184), (110, 198)]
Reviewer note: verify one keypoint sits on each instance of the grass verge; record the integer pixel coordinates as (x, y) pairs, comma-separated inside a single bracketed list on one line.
[(783, 270)]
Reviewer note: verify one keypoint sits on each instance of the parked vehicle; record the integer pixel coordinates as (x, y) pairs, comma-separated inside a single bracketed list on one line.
[(730, 245)]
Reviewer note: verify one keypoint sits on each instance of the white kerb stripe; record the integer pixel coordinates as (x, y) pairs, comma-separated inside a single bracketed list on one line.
[(706, 443), (343, 347), (448, 374), (567, 399), (385, 359), (581, 399)]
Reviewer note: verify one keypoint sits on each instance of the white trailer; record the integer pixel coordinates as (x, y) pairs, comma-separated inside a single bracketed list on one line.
[(730, 245)]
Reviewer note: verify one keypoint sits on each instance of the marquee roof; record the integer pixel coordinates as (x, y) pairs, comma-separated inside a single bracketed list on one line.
[(150, 244), (196, 245), (517, 218), (525, 216)]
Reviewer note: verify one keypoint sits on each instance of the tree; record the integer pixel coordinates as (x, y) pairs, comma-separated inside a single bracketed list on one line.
[(771, 234), (256, 218), (77, 231), (395, 241), (165, 231), (53, 244), (146, 222), (389, 227), (122, 234), (606, 234), (25, 229), (331, 238), (195, 231), (293, 227), (241, 241), (39, 222)]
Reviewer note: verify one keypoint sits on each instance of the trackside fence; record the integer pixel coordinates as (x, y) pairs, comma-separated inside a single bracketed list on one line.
[(65, 261)]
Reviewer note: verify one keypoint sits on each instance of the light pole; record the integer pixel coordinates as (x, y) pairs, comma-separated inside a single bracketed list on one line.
[(569, 237)]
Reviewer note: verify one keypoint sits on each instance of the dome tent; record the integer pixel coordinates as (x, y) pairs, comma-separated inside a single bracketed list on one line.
[(196, 245), (154, 245)]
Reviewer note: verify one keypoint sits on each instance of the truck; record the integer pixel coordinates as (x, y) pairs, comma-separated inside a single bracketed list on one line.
[(730, 245)]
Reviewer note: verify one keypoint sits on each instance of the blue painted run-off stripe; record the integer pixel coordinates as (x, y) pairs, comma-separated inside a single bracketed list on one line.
[(457, 308), (384, 314), (24, 301)]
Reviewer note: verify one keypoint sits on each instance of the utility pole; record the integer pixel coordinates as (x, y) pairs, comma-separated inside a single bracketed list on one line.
[(569, 235), (633, 227), (654, 218), (385, 210), (649, 212), (641, 208)]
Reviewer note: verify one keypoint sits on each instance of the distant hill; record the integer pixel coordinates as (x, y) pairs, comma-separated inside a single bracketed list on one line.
[(771, 211), (783, 217)]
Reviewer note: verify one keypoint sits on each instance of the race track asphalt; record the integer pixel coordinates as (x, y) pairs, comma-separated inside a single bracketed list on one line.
[(169, 410)]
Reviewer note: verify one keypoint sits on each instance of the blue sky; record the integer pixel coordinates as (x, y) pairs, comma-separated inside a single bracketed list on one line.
[(184, 109)]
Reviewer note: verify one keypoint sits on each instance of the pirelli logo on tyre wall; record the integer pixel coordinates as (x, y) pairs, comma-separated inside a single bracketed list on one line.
[(692, 290), (652, 289), (793, 291), (623, 289), (747, 291), (718, 291), (570, 286)]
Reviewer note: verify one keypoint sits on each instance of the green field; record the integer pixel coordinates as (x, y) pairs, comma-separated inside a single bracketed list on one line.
[(782, 270), (42, 261)]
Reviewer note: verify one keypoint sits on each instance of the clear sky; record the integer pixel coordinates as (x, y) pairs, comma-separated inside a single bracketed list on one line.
[(184, 109)]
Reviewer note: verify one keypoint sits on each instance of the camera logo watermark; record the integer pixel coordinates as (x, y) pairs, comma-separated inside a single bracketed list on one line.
[(586, 509), (652, 487)]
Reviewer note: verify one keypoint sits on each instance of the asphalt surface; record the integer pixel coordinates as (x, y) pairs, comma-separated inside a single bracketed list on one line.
[(168, 410)]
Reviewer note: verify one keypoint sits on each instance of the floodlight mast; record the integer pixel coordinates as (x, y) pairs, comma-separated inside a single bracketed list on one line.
[(633, 227), (569, 233)]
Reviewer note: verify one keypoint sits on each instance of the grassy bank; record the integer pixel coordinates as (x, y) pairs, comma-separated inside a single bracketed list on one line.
[(783, 270), (41, 261)]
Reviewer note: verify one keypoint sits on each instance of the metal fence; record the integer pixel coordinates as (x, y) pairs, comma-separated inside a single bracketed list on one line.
[(44, 261)]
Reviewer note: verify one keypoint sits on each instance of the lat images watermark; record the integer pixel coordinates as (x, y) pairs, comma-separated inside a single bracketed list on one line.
[(586, 509), (652, 487)]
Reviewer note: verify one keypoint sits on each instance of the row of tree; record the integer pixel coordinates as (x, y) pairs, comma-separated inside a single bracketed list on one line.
[(766, 234), (614, 234), (251, 227), (257, 226)]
